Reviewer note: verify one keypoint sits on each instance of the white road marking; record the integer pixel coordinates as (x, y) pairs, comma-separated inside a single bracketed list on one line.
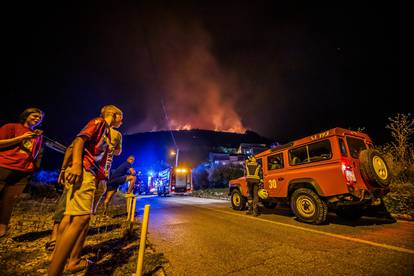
[(381, 245)]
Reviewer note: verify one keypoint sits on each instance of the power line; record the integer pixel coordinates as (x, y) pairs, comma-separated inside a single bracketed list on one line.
[(168, 123), (54, 145), (157, 80)]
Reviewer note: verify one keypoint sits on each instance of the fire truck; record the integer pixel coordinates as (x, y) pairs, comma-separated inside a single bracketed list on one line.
[(177, 180)]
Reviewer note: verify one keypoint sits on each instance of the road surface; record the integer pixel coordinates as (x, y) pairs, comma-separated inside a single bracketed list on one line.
[(206, 237)]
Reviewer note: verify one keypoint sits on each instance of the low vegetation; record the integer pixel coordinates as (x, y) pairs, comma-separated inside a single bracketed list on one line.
[(399, 154), (216, 193), (110, 244)]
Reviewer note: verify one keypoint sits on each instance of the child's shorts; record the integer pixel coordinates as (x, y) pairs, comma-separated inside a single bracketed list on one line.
[(79, 199)]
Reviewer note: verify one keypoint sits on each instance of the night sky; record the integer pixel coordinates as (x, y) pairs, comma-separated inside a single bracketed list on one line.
[(283, 71)]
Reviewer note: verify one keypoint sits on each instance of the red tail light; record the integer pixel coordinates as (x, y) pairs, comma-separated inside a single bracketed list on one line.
[(348, 172), (172, 182)]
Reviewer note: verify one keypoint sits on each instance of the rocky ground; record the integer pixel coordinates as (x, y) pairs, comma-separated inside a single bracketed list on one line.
[(110, 244)]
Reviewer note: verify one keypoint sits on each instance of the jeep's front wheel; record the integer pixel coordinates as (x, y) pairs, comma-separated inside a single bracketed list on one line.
[(308, 206), (238, 201)]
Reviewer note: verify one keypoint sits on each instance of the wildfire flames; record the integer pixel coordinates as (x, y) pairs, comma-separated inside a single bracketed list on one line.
[(197, 91), (207, 112)]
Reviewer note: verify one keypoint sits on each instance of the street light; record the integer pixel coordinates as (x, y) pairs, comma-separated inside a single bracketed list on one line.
[(176, 152)]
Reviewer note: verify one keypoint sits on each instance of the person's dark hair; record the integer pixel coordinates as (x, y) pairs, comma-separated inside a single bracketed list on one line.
[(23, 116), (131, 155)]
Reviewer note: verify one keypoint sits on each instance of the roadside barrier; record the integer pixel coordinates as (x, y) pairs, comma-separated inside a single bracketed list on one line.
[(130, 204), (143, 239)]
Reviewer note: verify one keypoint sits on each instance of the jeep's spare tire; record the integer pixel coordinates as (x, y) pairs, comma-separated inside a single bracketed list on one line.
[(374, 168)]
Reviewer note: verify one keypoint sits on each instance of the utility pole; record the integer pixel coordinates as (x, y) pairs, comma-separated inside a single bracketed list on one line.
[(176, 157), (175, 153)]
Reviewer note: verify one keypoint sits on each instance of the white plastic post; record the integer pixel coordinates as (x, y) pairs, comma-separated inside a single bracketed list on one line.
[(143, 239), (134, 204), (128, 205)]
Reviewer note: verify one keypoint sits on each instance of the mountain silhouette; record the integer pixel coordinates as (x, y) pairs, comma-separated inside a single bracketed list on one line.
[(152, 149)]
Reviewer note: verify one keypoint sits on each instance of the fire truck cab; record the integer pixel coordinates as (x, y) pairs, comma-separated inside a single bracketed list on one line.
[(176, 180)]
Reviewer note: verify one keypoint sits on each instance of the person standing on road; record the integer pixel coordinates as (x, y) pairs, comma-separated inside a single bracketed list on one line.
[(254, 178), (20, 154)]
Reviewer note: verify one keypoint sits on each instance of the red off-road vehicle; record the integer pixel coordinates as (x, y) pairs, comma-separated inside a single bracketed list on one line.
[(337, 169)]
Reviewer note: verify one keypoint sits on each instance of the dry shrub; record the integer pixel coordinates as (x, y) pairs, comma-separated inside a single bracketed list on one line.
[(400, 199)]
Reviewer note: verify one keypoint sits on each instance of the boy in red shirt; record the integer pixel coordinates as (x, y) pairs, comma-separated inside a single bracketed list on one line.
[(86, 167), (20, 150), (115, 148)]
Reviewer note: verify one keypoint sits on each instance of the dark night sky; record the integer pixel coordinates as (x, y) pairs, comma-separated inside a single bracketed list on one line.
[(282, 71)]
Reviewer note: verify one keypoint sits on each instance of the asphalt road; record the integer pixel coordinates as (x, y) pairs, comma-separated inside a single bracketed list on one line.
[(206, 237)]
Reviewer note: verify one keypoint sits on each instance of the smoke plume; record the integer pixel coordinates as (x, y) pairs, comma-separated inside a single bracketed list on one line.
[(197, 92)]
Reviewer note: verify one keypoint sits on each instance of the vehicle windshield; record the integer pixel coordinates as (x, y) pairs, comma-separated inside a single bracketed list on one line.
[(355, 146)]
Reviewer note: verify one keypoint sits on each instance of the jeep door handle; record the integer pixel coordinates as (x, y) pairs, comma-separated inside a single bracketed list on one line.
[(280, 178)]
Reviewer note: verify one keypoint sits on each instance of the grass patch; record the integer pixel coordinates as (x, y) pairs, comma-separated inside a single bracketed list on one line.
[(400, 200), (217, 193)]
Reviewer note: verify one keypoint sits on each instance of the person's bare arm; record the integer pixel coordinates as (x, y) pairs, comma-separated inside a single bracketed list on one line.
[(74, 175), (118, 147), (65, 163), (132, 171), (16, 140)]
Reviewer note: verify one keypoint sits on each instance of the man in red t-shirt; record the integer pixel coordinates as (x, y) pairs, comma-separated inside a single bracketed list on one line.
[(20, 150), (85, 167)]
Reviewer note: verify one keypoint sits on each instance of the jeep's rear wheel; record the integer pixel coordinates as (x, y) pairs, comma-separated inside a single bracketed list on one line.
[(308, 206), (349, 212), (374, 168), (238, 201)]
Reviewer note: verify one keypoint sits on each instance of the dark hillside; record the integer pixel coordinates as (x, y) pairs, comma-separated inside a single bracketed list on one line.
[(152, 148)]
